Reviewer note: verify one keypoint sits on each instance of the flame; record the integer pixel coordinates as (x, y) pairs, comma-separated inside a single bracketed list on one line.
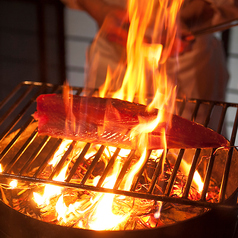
[(70, 122), (133, 171), (61, 209), (58, 154), (103, 217), (13, 183), (197, 179), (150, 40), (52, 190), (156, 154), (147, 51)]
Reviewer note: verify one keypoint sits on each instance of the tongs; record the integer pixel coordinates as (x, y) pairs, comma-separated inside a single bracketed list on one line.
[(216, 28)]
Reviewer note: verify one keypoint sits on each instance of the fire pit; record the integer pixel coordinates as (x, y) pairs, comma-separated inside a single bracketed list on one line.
[(180, 206)]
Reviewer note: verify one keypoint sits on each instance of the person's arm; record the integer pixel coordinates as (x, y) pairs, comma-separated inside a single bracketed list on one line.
[(110, 18), (225, 11), (97, 9), (196, 13), (201, 14)]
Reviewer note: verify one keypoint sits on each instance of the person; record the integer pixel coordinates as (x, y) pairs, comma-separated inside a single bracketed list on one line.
[(108, 46), (201, 70)]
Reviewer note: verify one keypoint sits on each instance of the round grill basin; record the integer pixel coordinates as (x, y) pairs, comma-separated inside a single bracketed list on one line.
[(217, 223)]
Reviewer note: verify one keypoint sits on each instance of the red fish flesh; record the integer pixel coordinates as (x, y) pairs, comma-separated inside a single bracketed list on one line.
[(109, 121)]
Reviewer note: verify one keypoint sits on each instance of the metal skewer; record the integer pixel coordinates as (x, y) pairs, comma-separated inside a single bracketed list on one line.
[(213, 29)]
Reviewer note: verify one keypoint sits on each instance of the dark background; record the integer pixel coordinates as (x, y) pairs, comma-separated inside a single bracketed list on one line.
[(31, 43)]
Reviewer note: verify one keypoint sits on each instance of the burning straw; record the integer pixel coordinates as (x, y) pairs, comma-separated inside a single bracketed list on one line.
[(82, 209)]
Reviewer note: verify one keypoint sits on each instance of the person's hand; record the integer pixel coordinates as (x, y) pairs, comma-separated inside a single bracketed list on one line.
[(192, 15), (115, 24), (183, 41), (196, 13)]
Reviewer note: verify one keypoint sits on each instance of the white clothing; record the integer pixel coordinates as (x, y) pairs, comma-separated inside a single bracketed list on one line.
[(202, 72)]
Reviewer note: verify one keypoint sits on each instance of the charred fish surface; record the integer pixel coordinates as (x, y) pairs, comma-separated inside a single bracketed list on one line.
[(109, 121)]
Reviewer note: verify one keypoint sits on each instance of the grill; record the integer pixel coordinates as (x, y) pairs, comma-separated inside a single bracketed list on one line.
[(22, 149)]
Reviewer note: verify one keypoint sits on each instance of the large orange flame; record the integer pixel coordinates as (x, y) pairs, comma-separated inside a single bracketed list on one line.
[(150, 39), (147, 53)]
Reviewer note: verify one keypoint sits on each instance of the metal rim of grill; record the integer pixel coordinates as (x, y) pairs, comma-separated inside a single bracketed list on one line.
[(16, 110)]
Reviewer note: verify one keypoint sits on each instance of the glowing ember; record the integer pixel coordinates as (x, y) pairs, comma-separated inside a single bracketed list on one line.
[(13, 184)]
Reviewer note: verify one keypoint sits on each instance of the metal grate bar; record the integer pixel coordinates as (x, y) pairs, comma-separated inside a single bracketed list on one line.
[(212, 157), (62, 161), (14, 91), (124, 169), (182, 106), (93, 164), (45, 162), (208, 175), (211, 106), (156, 174), (44, 143), (155, 197), (16, 104), (191, 173), (109, 166), (23, 111), (174, 173), (78, 161), (222, 118), (228, 162), (21, 151), (16, 120), (133, 187), (20, 115), (225, 176), (194, 115), (33, 157), (15, 139)]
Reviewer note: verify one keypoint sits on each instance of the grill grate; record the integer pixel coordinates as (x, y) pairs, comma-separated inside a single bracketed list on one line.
[(23, 149)]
